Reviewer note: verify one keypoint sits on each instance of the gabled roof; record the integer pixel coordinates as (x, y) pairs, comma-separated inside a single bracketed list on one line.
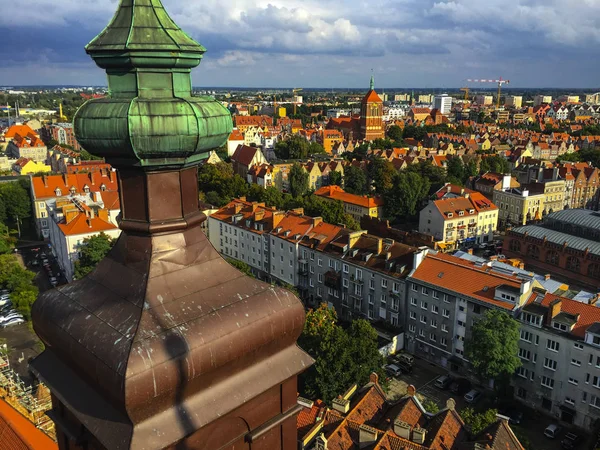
[(45, 186), (236, 135), (84, 225), (372, 97), (20, 129), (18, 433), (244, 154), (464, 277), (337, 193)]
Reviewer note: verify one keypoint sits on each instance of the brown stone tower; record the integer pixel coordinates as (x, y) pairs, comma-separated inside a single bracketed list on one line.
[(371, 115), (164, 345)]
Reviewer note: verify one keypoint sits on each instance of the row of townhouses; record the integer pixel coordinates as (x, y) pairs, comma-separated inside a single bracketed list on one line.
[(435, 298)]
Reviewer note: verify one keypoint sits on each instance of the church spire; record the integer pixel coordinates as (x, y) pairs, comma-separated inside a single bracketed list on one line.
[(372, 85)]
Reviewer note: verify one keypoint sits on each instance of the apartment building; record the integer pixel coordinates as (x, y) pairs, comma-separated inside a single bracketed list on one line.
[(470, 217), (446, 295), (72, 220), (100, 186), (355, 205), (560, 351), (360, 275), (517, 206)]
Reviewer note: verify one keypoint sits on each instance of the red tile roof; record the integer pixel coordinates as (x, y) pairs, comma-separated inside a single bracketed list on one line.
[(83, 225), (244, 154), (18, 433), (372, 97), (337, 193), (22, 130), (588, 314), (45, 186), (454, 274)]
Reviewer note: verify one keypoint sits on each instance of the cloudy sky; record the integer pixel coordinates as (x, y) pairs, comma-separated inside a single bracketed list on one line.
[(327, 43)]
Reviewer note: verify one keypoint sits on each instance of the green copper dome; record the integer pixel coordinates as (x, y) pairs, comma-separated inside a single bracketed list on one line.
[(149, 118)]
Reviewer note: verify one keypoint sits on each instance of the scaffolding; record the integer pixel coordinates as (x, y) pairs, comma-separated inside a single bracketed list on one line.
[(30, 401)]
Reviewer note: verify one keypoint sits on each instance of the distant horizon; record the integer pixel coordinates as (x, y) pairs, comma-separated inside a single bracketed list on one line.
[(592, 90)]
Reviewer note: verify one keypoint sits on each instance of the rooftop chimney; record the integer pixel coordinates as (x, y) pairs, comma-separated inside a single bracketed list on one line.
[(418, 435), (136, 355), (366, 436), (402, 429), (553, 310), (341, 405)]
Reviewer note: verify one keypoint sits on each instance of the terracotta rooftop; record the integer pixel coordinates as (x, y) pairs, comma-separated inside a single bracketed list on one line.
[(20, 129), (464, 277), (18, 433), (337, 193), (83, 224), (45, 186)]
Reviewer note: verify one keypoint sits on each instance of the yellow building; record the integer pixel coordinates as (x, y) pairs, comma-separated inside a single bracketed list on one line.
[(519, 206), (355, 205), (25, 166), (554, 195)]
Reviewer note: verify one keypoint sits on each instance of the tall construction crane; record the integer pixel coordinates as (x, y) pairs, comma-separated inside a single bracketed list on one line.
[(500, 82), (294, 92), (466, 91)]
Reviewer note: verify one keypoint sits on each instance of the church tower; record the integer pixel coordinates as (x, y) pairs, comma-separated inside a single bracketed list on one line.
[(164, 345), (371, 115)]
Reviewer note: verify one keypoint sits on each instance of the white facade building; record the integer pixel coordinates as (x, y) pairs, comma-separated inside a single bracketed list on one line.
[(443, 103)]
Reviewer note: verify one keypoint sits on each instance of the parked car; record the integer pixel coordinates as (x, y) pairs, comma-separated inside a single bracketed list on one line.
[(443, 382), (460, 386), (515, 415), (552, 431), (571, 441), (472, 396), (9, 317), (393, 370), (15, 321), (406, 359), (4, 301)]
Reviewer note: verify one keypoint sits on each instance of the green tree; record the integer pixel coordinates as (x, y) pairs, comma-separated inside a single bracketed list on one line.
[(493, 346), (93, 250), (296, 147), (20, 282), (456, 170), (16, 200), (298, 178), (316, 149), (331, 211), (395, 133), (241, 266), (494, 163), (7, 242), (477, 422), (569, 157), (341, 358), (335, 178), (364, 350), (381, 174), (435, 175), (404, 199), (220, 184), (355, 180), (2, 210), (431, 407)]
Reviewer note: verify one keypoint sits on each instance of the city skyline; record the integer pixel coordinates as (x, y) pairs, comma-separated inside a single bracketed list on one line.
[(431, 44)]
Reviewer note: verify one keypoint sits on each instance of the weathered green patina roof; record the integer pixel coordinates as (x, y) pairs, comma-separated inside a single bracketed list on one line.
[(150, 117), (143, 25)]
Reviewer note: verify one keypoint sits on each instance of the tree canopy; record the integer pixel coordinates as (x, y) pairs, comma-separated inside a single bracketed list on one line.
[(20, 282), (297, 147), (16, 200), (405, 197), (342, 358), (93, 250), (298, 178), (477, 422), (219, 184), (355, 180), (494, 345)]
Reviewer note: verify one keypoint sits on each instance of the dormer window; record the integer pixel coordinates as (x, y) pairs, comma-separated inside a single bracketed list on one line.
[(450, 215), (560, 326), (73, 190), (471, 211), (461, 213), (58, 192), (86, 189), (532, 319), (103, 187)]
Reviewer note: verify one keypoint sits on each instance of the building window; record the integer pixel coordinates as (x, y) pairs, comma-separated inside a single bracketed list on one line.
[(435, 294), (515, 246), (446, 299), (320, 277), (573, 381), (547, 382), (552, 345), (573, 264), (435, 309), (413, 301), (432, 337), (319, 261), (443, 341), (423, 319), (344, 266), (533, 251), (424, 291), (576, 362), (550, 364), (524, 354), (413, 315), (434, 323), (384, 283), (424, 305), (559, 326), (532, 319), (578, 345), (525, 336), (569, 400), (414, 287), (412, 328), (446, 313), (444, 328), (345, 282), (552, 257), (596, 382), (522, 372)]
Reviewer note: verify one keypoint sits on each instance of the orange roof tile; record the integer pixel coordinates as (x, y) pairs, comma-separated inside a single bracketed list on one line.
[(18, 433), (372, 97), (454, 274), (22, 130), (83, 225), (337, 193), (45, 186)]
